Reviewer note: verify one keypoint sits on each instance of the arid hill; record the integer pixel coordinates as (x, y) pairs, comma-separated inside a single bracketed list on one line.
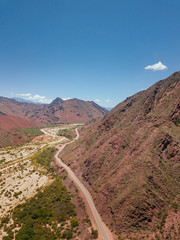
[(131, 161), (14, 123), (10, 123), (59, 111)]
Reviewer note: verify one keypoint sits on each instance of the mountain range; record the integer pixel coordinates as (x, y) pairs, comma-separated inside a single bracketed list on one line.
[(18, 115), (59, 111)]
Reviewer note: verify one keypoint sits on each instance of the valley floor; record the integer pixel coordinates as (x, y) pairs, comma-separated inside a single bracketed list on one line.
[(21, 178)]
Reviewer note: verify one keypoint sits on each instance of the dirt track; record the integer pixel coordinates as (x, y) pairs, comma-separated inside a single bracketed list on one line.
[(102, 229)]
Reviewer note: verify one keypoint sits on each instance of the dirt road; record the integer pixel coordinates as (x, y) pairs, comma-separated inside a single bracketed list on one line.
[(99, 223)]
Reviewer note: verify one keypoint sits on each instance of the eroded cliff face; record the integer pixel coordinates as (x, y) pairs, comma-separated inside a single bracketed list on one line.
[(130, 159)]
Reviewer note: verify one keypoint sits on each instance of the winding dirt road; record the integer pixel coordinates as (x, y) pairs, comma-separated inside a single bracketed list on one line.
[(99, 223)]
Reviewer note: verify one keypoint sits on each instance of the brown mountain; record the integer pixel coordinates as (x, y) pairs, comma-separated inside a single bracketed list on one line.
[(59, 111), (14, 123), (10, 123), (18, 115), (131, 161)]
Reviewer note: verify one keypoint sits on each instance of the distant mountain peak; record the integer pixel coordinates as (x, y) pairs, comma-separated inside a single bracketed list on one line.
[(58, 111), (57, 101)]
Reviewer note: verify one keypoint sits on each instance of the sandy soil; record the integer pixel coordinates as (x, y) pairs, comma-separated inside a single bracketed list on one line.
[(18, 183), (19, 179), (15, 153)]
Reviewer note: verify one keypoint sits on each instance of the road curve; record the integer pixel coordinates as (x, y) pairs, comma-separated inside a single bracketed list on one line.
[(86, 193)]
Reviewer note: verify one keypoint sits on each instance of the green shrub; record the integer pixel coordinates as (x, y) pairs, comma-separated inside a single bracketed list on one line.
[(7, 238), (10, 234), (65, 133), (5, 220), (45, 158), (74, 222), (94, 234), (176, 121), (16, 194), (68, 234), (175, 207), (53, 205), (31, 132)]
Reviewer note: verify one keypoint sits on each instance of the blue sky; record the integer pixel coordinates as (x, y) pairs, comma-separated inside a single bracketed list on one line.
[(89, 49)]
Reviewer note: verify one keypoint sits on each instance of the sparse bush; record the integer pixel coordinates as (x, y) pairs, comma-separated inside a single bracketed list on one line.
[(45, 158), (31, 132), (68, 233), (5, 220), (10, 234), (175, 207), (65, 133), (123, 146), (49, 207), (94, 233), (74, 222), (176, 121), (7, 238), (16, 194)]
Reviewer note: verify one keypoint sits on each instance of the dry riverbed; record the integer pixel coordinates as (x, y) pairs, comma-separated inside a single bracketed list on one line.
[(19, 178)]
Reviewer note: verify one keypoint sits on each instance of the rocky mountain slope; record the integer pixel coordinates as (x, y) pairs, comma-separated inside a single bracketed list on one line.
[(59, 111), (131, 161)]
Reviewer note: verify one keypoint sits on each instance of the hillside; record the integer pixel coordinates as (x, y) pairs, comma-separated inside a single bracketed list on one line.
[(130, 160), (10, 123), (14, 123), (59, 111)]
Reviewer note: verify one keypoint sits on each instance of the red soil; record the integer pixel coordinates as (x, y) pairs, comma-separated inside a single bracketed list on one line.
[(14, 123), (43, 138)]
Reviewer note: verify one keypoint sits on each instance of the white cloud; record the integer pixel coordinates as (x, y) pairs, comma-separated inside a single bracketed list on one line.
[(23, 94), (156, 67), (107, 100), (34, 98), (66, 98), (97, 100)]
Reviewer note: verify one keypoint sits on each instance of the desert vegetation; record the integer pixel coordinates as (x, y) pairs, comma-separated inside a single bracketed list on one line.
[(34, 204), (65, 133), (44, 158), (18, 182), (48, 215), (30, 132)]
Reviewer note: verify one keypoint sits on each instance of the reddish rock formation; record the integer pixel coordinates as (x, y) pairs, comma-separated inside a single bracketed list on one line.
[(130, 160)]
